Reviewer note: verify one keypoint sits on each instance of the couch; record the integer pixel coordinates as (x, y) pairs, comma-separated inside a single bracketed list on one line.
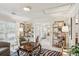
[(4, 49)]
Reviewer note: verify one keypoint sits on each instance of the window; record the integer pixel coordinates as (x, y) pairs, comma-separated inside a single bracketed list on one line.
[(8, 32)]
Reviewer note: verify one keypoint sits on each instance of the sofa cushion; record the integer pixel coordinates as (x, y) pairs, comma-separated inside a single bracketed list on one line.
[(3, 50)]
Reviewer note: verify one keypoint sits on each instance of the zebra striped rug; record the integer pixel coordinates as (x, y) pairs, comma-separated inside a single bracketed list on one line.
[(44, 52)]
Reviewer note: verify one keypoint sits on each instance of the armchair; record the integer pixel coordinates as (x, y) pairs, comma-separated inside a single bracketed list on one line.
[(4, 49)]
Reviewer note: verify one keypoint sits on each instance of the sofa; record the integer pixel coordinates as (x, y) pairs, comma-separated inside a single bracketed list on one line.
[(4, 49)]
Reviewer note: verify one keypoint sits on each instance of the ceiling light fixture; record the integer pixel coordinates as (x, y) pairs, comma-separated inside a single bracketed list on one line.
[(13, 13), (27, 8)]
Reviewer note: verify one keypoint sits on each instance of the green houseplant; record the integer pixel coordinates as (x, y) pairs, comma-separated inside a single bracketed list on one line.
[(75, 50)]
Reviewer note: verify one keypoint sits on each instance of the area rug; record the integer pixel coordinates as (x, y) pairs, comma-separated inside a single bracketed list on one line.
[(44, 52)]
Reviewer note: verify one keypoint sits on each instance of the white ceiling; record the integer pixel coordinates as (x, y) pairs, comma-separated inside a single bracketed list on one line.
[(15, 12)]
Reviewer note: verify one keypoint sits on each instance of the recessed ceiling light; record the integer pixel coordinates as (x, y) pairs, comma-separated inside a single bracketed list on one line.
[(27, 8), (13, 13)]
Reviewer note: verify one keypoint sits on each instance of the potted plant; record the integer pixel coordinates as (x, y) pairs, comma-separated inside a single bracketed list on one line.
[(75, 50)]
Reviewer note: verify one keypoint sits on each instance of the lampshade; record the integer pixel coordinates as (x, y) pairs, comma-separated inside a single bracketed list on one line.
[(65, 29), (21, 29), (76, 21)]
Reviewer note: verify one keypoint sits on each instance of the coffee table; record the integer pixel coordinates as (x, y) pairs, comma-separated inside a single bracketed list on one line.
[(29, 48)]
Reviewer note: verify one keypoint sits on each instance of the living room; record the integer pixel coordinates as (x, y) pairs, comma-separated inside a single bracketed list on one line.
[(39, 29)]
